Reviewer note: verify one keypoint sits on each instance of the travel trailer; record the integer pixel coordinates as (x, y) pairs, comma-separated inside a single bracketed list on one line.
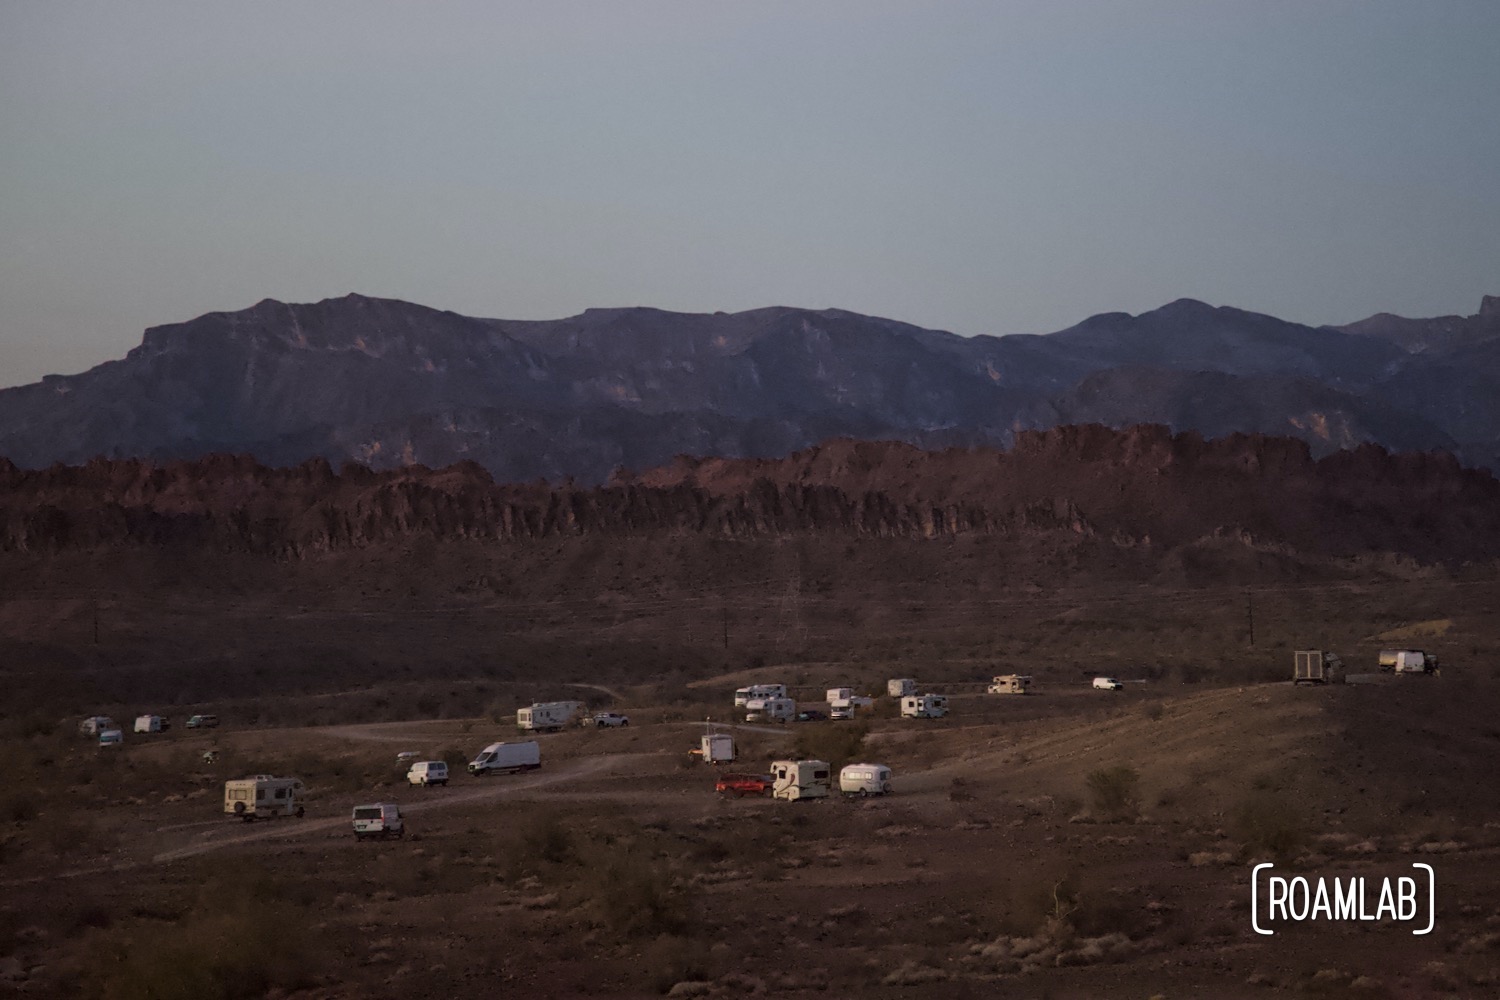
[(799, 779), (1408, 661), (379, 819), (547, 716), (745, 695), (924, 706), (900, 687), (150, 724), (717, 748), (1314, 666), (95, 724), (865, 779), (507, 758), (1010, 684), (770, 710), (262, 795)]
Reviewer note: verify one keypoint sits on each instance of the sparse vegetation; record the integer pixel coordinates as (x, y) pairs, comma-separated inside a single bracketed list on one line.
[(1114, 792)]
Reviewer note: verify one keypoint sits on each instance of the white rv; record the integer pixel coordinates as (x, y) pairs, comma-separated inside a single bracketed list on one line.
[(1408, 661), (95, 724), (507, 758), (262, 795), (745, 695), (547, 716), (1010, 684), (865, 779), (149, 724), (799, 779), (900, 687), (770, 710), (717, 748), (924, 706)]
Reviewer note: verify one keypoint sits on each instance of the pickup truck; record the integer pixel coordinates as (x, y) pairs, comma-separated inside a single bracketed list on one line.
[(605, 720), (740, 785)]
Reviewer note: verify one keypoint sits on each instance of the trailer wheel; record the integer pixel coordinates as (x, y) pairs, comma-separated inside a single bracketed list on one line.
[(300, 812), (239, 809)]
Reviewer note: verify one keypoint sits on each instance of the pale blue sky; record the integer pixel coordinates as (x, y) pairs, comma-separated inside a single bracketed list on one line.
[(983, 167)]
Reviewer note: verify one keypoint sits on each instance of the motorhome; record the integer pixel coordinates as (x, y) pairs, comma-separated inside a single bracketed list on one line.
[(262, 795), (150, 724), (717, 748), (900, 687), (1010, 684), (745, 695), (547, 716), (507, 758), (1408, 661), (770, 710), (924, 706), (799, 779), (839, 697), (865, 779)]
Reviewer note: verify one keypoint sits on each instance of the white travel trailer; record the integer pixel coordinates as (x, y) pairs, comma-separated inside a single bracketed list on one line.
[(1010, 684), (262, 795), (799, 779), (149, 724), (865, 779), (924, 706), (770, 710), (900, 687), (717, 748), (745, 695), (95, 724), (547, 716), (1408, 661), (506, 758)]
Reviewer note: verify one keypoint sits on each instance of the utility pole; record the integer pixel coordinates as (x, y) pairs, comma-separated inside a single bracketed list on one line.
[(726, 625), (96, 621), (1250, 613)]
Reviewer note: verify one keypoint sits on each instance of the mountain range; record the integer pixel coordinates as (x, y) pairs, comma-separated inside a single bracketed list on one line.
[(388, 383)]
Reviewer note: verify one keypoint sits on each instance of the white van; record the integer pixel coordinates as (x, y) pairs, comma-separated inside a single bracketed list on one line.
[(507, 758), (799, 779), (379, 819), (1107, 684), (428, 772), (865, 779), (111, 738)]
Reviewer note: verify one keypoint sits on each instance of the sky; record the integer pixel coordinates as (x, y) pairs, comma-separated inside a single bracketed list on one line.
[(981, 167)]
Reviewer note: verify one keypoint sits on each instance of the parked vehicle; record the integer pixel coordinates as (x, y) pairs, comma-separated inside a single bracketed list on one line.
[(745, 695), (96, 724), (151, 724), (812, 715), (841, 713), (428, 772), (406, 755), (547, 716), (507, 758), (1408, 661), (924, 706), (1316, 666), (608, 720), (865, 779), (800, 779), (262, 795), (1010, 684), (1107, 684), (740, 785), (716, 748), (379, 819), (111, 737), (900, 687), (203, 722), (770, 710)]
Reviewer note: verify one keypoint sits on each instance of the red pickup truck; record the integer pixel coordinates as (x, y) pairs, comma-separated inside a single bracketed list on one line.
[(744, 784)]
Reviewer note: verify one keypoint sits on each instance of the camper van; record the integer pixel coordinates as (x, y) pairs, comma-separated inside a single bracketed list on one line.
[(150, 724), (865, 779), (262, 795), (717, 748), (547, 716), (745, 695), (507, 758), (924, 706), (1010, 684), (378, 819), (96, 724), (900, 687), (770, 710), (799, 779)]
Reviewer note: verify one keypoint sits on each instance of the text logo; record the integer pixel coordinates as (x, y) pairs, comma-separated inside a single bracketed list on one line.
[(1302, 899)]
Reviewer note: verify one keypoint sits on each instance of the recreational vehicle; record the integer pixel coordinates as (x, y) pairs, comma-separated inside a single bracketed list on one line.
[(770, 710), (900, 687), (150, 724), (547, 716), (506, 758), (865, 779), (95, 724), (1408, 661), (1010, 684), (262, 795), (717, 748), (745, 695), (799, 779), (924, 706)]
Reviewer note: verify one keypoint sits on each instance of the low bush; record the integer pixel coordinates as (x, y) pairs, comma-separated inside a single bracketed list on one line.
[(1115, 792)]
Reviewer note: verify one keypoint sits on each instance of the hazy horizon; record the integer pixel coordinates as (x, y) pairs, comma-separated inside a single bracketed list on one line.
[(977, 167)]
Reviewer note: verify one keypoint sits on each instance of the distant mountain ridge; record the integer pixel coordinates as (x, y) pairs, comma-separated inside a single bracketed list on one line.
[(389, 383)]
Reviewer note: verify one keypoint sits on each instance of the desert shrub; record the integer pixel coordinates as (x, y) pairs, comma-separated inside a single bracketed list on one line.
[(1114, 792), (1269, 824), (837, 743), (671, 959), (456, 759), (546, 838), (634, 896)]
